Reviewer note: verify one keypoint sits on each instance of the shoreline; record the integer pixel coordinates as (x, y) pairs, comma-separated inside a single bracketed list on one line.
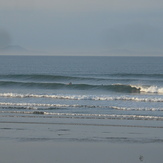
[(62, 140)]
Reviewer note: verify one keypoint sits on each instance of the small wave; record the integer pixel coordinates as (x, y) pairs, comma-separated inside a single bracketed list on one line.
[(54, 76), (39, 106), (34, 106), (36, 77), (51, 78), (84, 97), (137, 109), (32, 84), (108, 116), (137, 75), (85, 116)]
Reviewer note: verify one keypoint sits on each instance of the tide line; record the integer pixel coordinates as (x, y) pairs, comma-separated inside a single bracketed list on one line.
[(79, 124)]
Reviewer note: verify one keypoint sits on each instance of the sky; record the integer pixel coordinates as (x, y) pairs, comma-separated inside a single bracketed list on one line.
[(83, 27)]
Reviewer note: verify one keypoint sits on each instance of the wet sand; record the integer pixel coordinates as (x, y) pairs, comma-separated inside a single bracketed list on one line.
[(64, 140)]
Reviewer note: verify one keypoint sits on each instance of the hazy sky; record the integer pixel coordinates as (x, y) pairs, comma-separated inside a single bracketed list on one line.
[(83, 27)]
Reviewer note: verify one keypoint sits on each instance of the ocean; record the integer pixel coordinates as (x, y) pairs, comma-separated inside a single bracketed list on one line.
[(125, 88)]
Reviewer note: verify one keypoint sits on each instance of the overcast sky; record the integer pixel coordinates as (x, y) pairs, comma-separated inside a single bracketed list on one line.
[(83, 27)]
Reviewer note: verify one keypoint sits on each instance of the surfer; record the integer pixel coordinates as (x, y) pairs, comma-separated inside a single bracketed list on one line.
[(70, 83)]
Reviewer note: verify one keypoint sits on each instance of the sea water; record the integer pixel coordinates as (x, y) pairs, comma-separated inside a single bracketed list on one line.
[(129, 88)]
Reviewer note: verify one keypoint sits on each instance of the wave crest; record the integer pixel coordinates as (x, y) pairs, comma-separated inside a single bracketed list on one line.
[(84, 97), (149, 89), (83, 116), (50, 85)]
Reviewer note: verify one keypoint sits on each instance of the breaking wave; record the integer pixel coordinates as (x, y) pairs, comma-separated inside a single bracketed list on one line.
[(113, 87), (149, 89), (104, 82), (84, 97)]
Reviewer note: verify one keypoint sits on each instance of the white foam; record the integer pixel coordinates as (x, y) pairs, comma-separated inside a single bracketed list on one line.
[(149, 89), (137, 109), (86, 97), (32, 104), (107, 116), (37, 106), (88, 116)]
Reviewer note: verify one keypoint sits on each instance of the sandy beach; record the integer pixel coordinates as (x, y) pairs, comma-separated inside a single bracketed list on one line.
[(65, 140)]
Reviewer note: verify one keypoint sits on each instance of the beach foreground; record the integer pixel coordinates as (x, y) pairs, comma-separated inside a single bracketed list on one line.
[(63, 140)]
